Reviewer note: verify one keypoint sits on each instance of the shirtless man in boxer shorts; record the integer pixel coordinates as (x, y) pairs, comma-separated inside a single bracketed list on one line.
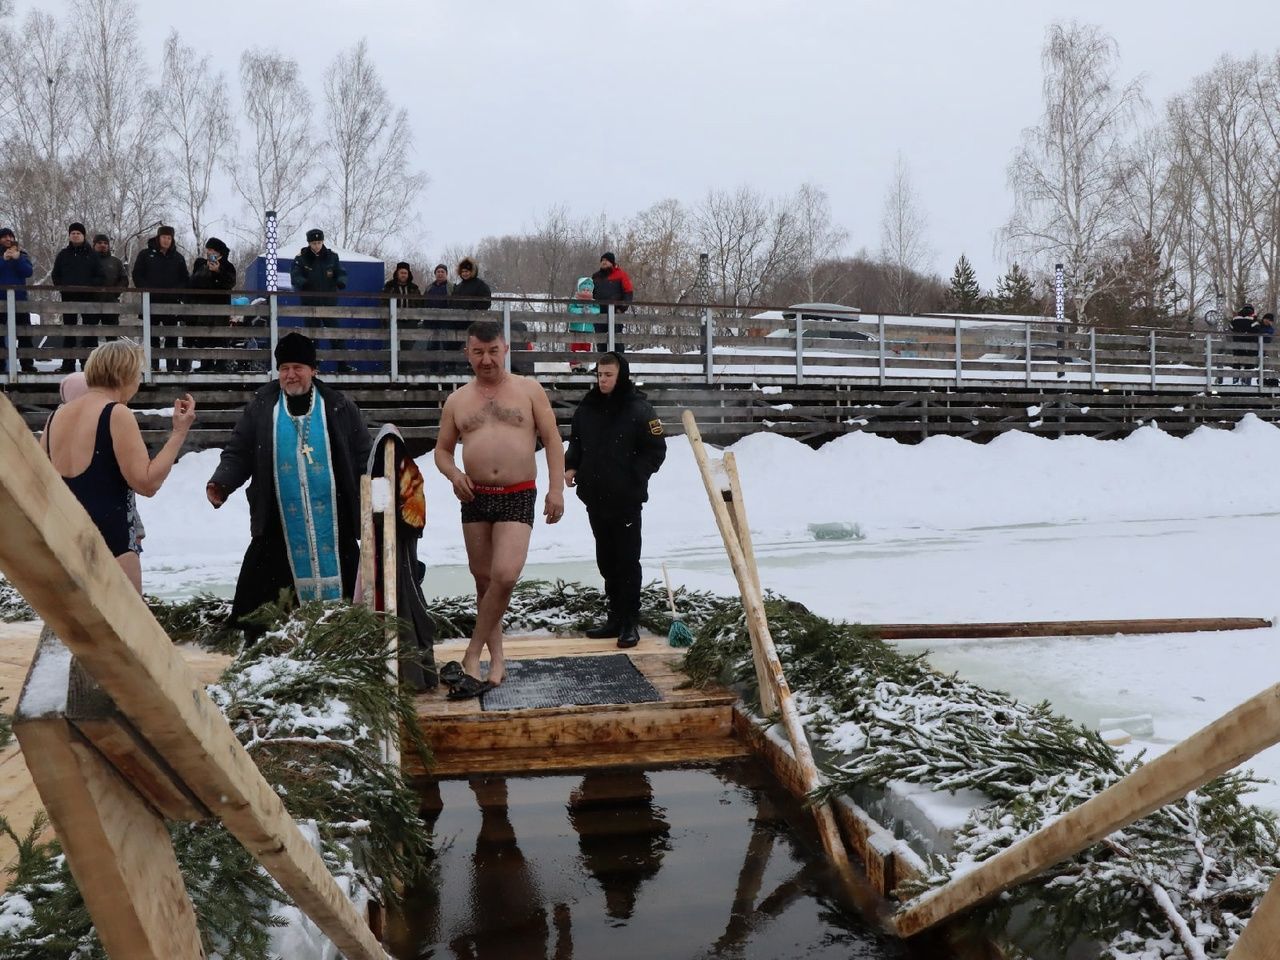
[(498, 416)]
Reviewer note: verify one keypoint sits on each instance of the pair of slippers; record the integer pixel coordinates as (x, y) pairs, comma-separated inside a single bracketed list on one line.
[(462, 686)]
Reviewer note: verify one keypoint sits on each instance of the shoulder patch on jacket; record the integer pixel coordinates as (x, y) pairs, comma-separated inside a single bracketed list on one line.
[(655, 427)]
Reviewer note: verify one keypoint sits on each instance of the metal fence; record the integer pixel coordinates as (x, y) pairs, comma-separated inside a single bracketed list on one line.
[(391, 343)]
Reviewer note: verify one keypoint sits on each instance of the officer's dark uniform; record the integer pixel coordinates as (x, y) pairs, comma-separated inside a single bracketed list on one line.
[(616, 446)]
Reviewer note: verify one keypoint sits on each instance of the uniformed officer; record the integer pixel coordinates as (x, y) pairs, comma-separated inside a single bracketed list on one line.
[(616, 446)]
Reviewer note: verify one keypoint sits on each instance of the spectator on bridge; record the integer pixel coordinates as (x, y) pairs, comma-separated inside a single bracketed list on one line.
[(407, 296), (402, 289), (612, 286), (584, 303), (76, 265), (470, 292), (436, 297), (161, 266), (15, 269), (212, 272), (114, 276), (318, 270)]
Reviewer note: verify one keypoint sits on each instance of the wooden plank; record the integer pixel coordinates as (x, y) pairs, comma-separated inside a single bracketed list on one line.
[(576, 757), (1061, 628), (1227, 742), (886, 859), (828, 831), (51, 552), (738, 514), (117, 847), (630, 724), (1260, 939)]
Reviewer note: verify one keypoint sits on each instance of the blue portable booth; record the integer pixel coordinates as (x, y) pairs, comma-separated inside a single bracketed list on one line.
[(365, 275)]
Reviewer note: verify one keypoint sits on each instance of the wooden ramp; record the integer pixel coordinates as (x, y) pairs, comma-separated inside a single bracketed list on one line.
[(686, 725), (19, 801)]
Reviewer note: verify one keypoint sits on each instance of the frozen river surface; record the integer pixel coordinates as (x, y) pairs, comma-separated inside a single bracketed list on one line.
[(1023, 528)]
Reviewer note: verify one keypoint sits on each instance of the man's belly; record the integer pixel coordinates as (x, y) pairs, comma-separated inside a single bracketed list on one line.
[(498, 456)]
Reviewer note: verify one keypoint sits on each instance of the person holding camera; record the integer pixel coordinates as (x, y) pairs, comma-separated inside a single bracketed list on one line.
[(15, 270), (212, 272)]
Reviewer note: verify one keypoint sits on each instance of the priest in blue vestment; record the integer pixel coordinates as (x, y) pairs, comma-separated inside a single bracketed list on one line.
[(301, 445)]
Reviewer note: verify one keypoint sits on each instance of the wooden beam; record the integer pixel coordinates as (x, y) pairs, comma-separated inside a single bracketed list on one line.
[(390, 590), (1061, 628), (828, 831), (51, 552), (1260, 939), (738, 514), (1222, 745), (117, 846), (557, 729)]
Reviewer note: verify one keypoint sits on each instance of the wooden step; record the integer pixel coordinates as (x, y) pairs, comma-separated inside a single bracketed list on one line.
[(576, 757), (558, 727)]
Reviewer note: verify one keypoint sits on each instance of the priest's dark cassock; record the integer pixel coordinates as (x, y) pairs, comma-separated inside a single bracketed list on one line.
[(302, 457)]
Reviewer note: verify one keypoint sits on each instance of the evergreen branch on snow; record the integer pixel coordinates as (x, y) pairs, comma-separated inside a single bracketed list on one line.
[(312, 698), (1181, 882)]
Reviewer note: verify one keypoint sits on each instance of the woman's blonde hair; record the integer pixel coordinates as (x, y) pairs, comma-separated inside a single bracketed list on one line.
[(114, 364)]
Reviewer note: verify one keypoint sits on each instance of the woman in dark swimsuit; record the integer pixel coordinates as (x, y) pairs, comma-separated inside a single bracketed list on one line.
[(95, 444)]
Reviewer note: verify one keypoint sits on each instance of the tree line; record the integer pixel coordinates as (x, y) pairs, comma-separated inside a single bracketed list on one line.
[(90, 137), (1157, 214)]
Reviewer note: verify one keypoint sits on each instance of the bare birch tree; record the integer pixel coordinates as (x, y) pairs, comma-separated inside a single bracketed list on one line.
[(276, 170), (820, 239), (375, 189), (752, 242), (39, 135), (196, 117), (1069, 173), (904, 249), (125, 181), (658, 249)]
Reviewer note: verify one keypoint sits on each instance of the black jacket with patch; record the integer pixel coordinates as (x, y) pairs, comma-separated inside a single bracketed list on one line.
[(616, 445)]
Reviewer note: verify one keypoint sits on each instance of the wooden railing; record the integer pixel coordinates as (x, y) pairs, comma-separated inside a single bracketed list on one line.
[(713, 344)]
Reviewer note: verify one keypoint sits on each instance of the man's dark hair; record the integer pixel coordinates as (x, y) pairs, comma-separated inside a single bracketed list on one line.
[(486, 331), (609, 359)]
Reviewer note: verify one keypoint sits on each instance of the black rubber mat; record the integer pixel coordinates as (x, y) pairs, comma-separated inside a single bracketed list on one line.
[(570, 681)]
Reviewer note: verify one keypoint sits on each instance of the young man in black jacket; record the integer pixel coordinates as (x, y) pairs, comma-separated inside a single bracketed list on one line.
[(616, 446), (115, 276), (160, 265), (212, 273), (76, 265)]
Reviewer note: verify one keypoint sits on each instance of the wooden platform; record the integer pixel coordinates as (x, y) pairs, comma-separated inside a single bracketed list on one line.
[(686, 726), (19, 802)]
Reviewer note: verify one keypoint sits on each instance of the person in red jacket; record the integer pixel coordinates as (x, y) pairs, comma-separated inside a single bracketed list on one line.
[(612, 285)]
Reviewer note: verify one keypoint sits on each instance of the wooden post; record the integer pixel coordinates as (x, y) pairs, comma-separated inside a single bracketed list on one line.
[(51, 552), (390, 513), (116, 843), (738, 514), (368, 559), (1260, 939), (1227, 742), (828, 831)]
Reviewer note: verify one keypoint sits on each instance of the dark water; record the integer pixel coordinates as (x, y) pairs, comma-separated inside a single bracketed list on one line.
[(619, 864)]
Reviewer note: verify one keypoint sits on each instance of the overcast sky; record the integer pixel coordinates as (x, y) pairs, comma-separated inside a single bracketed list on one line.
[(519, 105)]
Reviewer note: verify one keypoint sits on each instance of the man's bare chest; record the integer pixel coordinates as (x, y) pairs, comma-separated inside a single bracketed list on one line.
[(489, 413)]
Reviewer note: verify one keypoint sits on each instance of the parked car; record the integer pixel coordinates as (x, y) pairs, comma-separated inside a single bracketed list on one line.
[(814, 315)]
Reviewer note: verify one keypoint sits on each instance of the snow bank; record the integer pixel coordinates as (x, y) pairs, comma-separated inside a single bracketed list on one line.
[(890, 489)]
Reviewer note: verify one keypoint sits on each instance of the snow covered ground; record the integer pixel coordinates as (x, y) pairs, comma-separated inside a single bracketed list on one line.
[(1021, 528)]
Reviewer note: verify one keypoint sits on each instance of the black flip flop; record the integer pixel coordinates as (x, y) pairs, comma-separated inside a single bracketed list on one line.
[(469, 687), (451, 673)]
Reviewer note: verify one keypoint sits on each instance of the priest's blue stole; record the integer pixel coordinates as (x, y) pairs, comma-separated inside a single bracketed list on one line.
[(307, 498)]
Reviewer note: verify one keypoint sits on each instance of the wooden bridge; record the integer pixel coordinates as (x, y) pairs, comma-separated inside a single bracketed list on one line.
[(738, 371)]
